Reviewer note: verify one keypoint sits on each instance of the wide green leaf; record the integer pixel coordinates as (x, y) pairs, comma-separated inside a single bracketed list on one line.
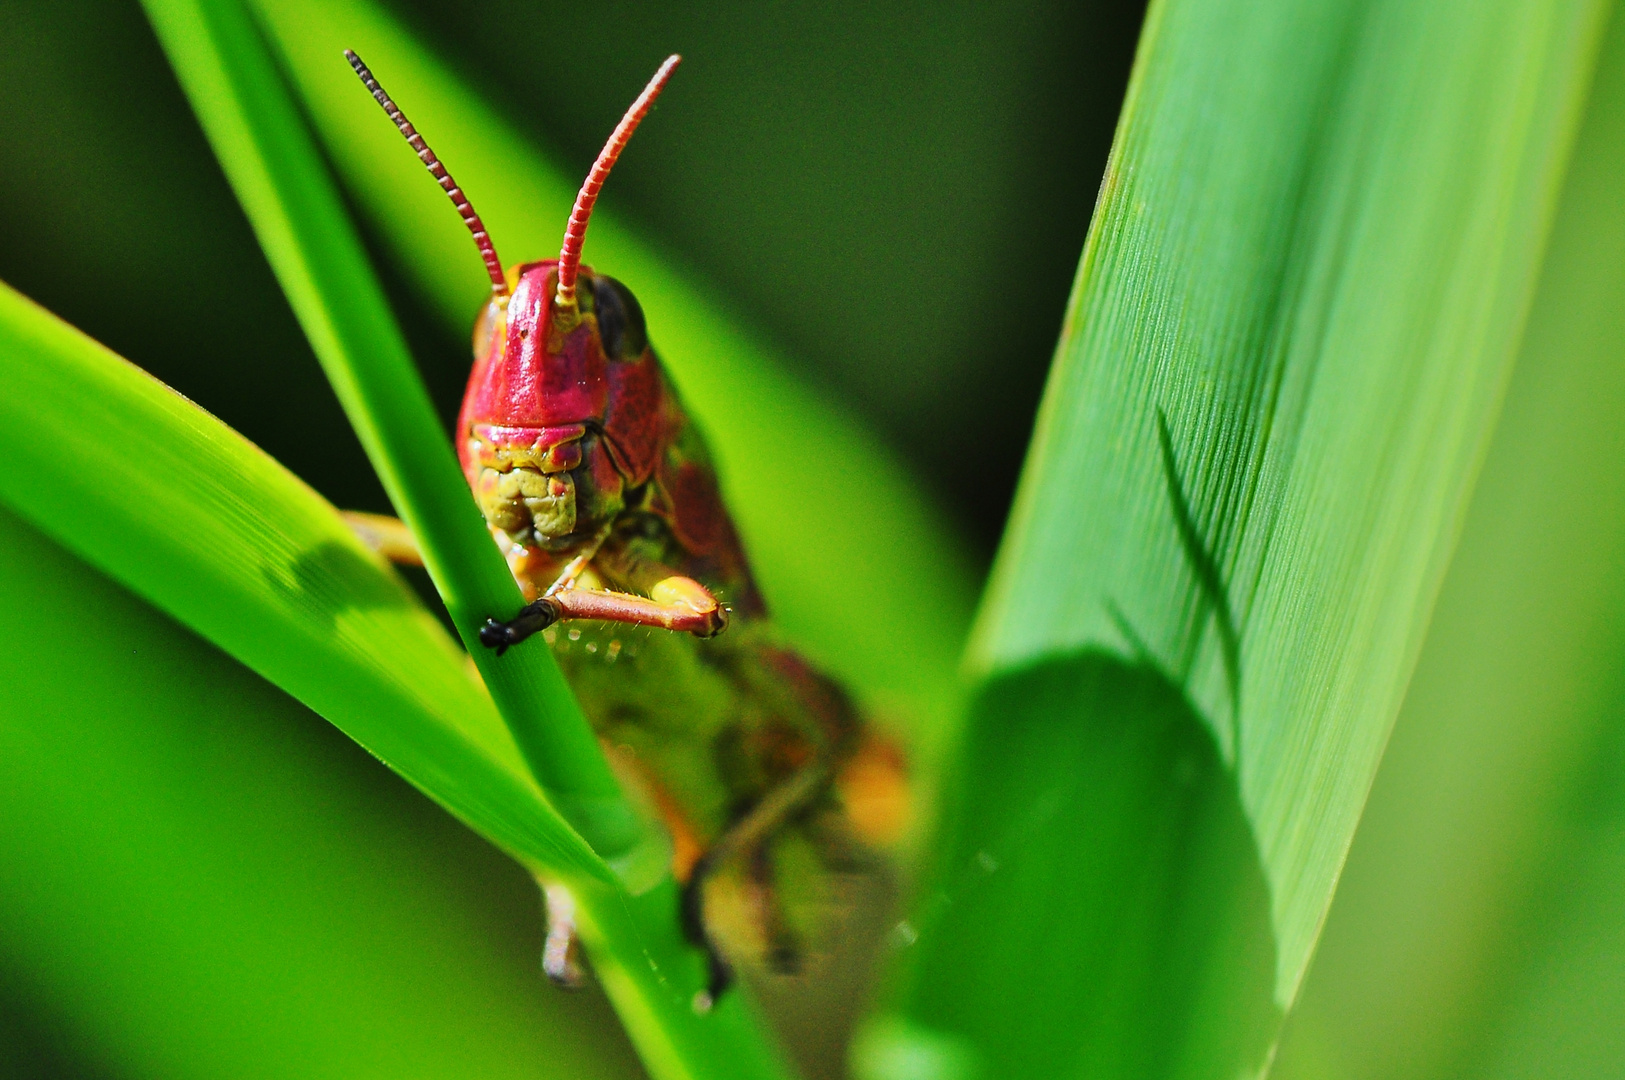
[(1322, 292), (1477, 929), (201, 879), (1308, 273)]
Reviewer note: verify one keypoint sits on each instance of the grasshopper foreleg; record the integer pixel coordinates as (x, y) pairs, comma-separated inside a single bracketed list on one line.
[(534, 617), (676, 603), (388, 536)]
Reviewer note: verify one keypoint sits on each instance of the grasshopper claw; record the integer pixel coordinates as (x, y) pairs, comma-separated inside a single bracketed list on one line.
[(535, 616), (495, 635)]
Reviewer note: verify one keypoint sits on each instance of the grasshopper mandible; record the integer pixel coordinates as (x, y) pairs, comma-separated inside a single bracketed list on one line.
[(599, 490)]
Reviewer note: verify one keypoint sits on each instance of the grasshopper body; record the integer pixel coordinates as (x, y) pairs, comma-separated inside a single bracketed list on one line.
[(600, 491)]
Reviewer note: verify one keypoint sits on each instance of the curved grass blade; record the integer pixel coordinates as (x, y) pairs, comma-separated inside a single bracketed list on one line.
[(280, 179), (179, 838), (859, 568)]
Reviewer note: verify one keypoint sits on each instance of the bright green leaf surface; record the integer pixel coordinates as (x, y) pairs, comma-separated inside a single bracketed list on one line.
[(856, 566), (1314, 251), (1477, 928), (219, 535), (201, 880)]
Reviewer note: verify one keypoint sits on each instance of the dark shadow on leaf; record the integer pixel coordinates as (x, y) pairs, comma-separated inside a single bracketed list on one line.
[(1102, 910), (1208, 577), (334, 577)]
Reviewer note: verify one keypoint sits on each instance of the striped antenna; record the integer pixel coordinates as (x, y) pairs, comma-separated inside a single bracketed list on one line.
[(576, 232), (482, 239)]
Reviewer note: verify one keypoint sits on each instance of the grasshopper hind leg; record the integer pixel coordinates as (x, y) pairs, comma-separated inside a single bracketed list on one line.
[(783, 950), (744, 838), (719, 973), (561, 951)]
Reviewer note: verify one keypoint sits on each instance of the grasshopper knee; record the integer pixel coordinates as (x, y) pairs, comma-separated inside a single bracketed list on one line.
[(684, 592)]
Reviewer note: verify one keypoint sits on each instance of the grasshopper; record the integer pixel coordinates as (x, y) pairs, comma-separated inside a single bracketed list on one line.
[(600, 491)]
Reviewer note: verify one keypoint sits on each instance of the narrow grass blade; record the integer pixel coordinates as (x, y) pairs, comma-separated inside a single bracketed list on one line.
[(1308, 273), (649, 970), (279, 176), (1477, 929), (858, 568), (164, 498), (202, 879)]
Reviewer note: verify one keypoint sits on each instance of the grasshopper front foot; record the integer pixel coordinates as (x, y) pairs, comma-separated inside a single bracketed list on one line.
[(533, 618)]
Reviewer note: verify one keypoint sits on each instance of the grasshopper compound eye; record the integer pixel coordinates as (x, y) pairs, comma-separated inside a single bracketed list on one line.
[(620, 319)]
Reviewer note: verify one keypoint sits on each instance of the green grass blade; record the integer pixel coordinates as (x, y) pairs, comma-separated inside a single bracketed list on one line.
[(857, 567), (1477, 928), (199, 521), (1309, 270), (201, 879), (279, 176), (649, 970)]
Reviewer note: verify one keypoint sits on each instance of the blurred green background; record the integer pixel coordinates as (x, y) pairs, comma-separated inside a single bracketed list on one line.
[(887, 192)]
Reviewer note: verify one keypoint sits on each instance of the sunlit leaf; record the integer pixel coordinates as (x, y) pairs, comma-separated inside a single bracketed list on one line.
[(164, 498), (1306, 279), (1477, 927)]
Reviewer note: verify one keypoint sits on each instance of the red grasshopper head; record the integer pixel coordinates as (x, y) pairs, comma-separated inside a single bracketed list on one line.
[(566, 408)]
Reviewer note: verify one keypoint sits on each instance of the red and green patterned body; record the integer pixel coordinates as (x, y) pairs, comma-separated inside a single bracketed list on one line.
[(600, 491), (576, 444)]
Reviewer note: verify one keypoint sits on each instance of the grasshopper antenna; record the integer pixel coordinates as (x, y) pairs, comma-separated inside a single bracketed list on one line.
[(575, 233), (482, 239)]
